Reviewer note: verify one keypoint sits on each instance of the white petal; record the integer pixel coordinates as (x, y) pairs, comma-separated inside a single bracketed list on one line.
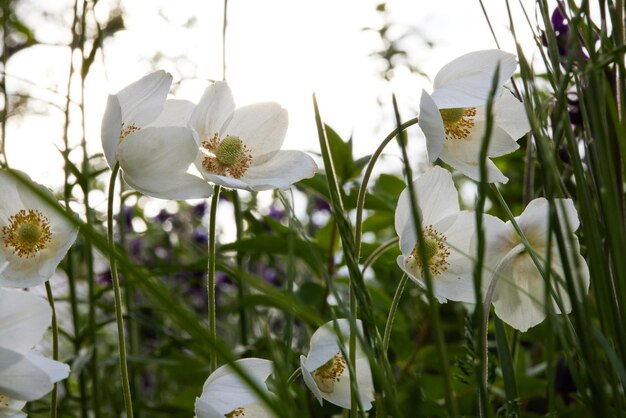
[(472, 169), (431, 123), (309, 381), (510, 115), (111, 129), (142, 101), (55, 370), (262, 127), (281, 171), (214, 110), (20, 378), (466, 81), (175, 113), (24, 317), (437, 198), (519, 296), (155, 162), (205, 410), (325, 344), (12, 408), (224, 390)]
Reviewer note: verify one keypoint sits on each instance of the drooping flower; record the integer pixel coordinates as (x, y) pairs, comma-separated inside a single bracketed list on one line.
[(25, 375), (34, 237), (226, 394), (149, 137), (447, 232), (325, 371), (519, 296), (240, 148), (453, 117)]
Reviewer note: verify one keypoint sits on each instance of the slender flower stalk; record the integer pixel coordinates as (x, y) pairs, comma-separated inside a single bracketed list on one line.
[(119, 315), (211, 275), (55, 346)]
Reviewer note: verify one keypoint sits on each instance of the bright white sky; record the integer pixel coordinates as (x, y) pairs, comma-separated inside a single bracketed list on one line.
[(277, 50)]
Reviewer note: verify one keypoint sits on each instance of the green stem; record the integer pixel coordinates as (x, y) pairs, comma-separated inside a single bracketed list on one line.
[(296, 374), (118, 297), (393, 309), (360, 203), (55, 347), (211, 276), (242, 289)]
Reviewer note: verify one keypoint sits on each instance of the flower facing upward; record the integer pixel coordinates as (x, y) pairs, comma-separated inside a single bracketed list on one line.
[(149, 137), (24, 374), (240, 148), (225, 394), (453, 117), (326, 373), (519, 296), (33, 236), (447, 232)]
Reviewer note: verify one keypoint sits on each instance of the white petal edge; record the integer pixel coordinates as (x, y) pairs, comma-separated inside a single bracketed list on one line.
[(155, 161), (466, 81), (431, 123), (111, 129), (143, 100), (24, 317), (214, 111)]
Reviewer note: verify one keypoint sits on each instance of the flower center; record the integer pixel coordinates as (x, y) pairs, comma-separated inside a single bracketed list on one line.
[(27, 232), (127, 130), (437, 252), (237, 412), (4, 401), (328, 373), (458, 121), (226, 157)]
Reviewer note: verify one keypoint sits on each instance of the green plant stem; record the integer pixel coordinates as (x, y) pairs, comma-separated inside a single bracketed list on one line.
[(118, 296), (241, 284), (211, 276), (55, 347), (393, 309), (367, 174), (296, 374)]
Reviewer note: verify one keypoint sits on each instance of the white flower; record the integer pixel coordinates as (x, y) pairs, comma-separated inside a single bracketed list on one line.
[(453, 118), (447, 232), (34, 237), (149, 138), (226, 394), (325, 371), (24, 374), (519, 296), (241, 148)]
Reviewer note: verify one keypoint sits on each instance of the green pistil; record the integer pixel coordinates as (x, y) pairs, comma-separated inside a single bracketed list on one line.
[(452, 115), (229, 151), (29, 233)]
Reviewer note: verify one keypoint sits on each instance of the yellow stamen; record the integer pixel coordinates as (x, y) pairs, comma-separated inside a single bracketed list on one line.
[(4, 401), (436, 250), (127, 130), (329, 373), (236, 413), (27, 232), (458, 122), (226, 157)]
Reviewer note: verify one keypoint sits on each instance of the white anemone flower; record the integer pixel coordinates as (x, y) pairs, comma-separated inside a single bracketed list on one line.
[(149, 137), (325, 371), (519, 295), (447, 235), (226, 394), (24, 374), (34, 236), (240, 148), (454, 120)]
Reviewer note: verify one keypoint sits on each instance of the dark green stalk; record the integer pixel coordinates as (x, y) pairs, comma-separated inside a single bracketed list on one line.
[(118, 297), (55, 347), (211, 275), (393, 310)]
